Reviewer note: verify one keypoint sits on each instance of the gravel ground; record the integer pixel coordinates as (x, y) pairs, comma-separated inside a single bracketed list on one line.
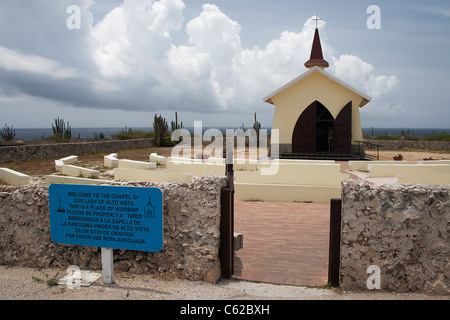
[(18, 283)]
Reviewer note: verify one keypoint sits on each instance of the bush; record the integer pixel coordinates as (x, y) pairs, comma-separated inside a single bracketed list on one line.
[(168, 143), (8, 133), (438, 137), (131, 134), (97, 136), (386, 137)]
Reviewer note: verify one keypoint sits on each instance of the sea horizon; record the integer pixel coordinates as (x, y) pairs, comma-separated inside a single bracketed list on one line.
[(29, 134)]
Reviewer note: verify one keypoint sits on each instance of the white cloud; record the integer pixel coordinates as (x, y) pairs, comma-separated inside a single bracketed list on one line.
[(382, 89), (133, 39), (360, 74), (129, 61), (215, 33), (445, 12), (13, 61)]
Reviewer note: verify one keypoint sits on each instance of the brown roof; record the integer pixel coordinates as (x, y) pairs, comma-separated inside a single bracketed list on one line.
[(316, 58)]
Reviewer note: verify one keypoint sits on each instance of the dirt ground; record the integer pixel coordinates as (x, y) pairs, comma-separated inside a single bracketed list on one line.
[(42, 167), (18, 283), (414, 155)]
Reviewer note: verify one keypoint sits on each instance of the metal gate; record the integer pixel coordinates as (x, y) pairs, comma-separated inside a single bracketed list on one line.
[(227, 232), (227, 225)]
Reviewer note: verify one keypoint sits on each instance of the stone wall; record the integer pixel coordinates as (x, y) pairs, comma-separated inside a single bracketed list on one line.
[(400, 144), (55, 150), (402, 229), (191, 232)]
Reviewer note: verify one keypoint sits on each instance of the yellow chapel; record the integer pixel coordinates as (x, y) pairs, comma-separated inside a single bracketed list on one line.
[(317, 114)]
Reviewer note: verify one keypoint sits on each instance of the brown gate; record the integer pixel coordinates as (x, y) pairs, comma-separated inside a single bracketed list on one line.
[(304, 135), (227, 232), (335, 242), (227, 225), (342, 131)]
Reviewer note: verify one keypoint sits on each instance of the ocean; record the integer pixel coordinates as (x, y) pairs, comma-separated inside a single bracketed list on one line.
[(25, 134)]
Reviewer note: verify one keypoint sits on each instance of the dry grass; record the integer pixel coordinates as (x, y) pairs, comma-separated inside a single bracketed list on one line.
[(41, 167)]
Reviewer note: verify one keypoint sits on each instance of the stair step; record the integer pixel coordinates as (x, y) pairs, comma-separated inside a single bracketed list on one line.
[(324, 156)]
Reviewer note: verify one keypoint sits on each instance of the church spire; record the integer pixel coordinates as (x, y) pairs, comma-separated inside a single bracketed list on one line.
[(316, 58)]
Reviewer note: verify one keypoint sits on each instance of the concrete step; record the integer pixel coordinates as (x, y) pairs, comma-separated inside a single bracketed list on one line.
[(324, 156)]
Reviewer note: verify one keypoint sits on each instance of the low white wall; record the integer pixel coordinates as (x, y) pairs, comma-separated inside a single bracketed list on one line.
[(429, 178), (49, 179), (75, 171), (154, 157), (125, 174), (293, 180), (64, 161), (131, 164), (388, 170), (69, 159), (363, 165), (434, 162), (13, 177), (200, 169), (111, 161), (296, 174), (285, 192)]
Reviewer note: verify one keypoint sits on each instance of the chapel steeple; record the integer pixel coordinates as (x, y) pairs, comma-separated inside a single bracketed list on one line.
[(316, 58)]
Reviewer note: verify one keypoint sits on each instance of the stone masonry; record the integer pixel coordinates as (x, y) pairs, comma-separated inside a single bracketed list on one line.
[(191, 232), (55, 150), (400, 144), (402, 229)]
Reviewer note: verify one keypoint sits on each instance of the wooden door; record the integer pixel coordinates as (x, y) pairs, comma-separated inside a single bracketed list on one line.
[(304, 135), (342, 131)]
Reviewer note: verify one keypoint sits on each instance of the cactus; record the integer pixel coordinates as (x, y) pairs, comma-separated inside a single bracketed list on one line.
[(60, 130), (175, 124), (257, 127), (161, 130), (68, 131)]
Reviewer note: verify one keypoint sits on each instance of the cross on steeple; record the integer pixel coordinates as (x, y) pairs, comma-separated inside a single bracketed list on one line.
[(316, 18), (316, 58)]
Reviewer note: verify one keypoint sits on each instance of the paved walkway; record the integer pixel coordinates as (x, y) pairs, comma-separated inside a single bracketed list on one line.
[(284, 243)]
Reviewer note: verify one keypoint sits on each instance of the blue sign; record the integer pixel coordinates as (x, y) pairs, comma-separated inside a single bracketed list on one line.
[(129, 218)]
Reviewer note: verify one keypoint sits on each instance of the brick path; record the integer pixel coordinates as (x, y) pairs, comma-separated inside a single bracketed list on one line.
[(284, 243)]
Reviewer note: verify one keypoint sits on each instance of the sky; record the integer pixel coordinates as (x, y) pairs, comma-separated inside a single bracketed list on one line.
[(117, 63)]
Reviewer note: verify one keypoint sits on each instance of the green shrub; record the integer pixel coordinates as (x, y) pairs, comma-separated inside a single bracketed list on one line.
[(386, 137), (438, 137), (131, 134), (8, 133), (168, 143)]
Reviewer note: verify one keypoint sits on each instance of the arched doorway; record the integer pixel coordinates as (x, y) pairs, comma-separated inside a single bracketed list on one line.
[(316, 131), (324, 129)]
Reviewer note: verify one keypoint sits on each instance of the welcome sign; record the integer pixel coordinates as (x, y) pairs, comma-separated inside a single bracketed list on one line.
[(129, 218)]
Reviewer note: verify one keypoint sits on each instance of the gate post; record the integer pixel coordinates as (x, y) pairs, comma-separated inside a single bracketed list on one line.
[(335, 242), (227, 225)]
